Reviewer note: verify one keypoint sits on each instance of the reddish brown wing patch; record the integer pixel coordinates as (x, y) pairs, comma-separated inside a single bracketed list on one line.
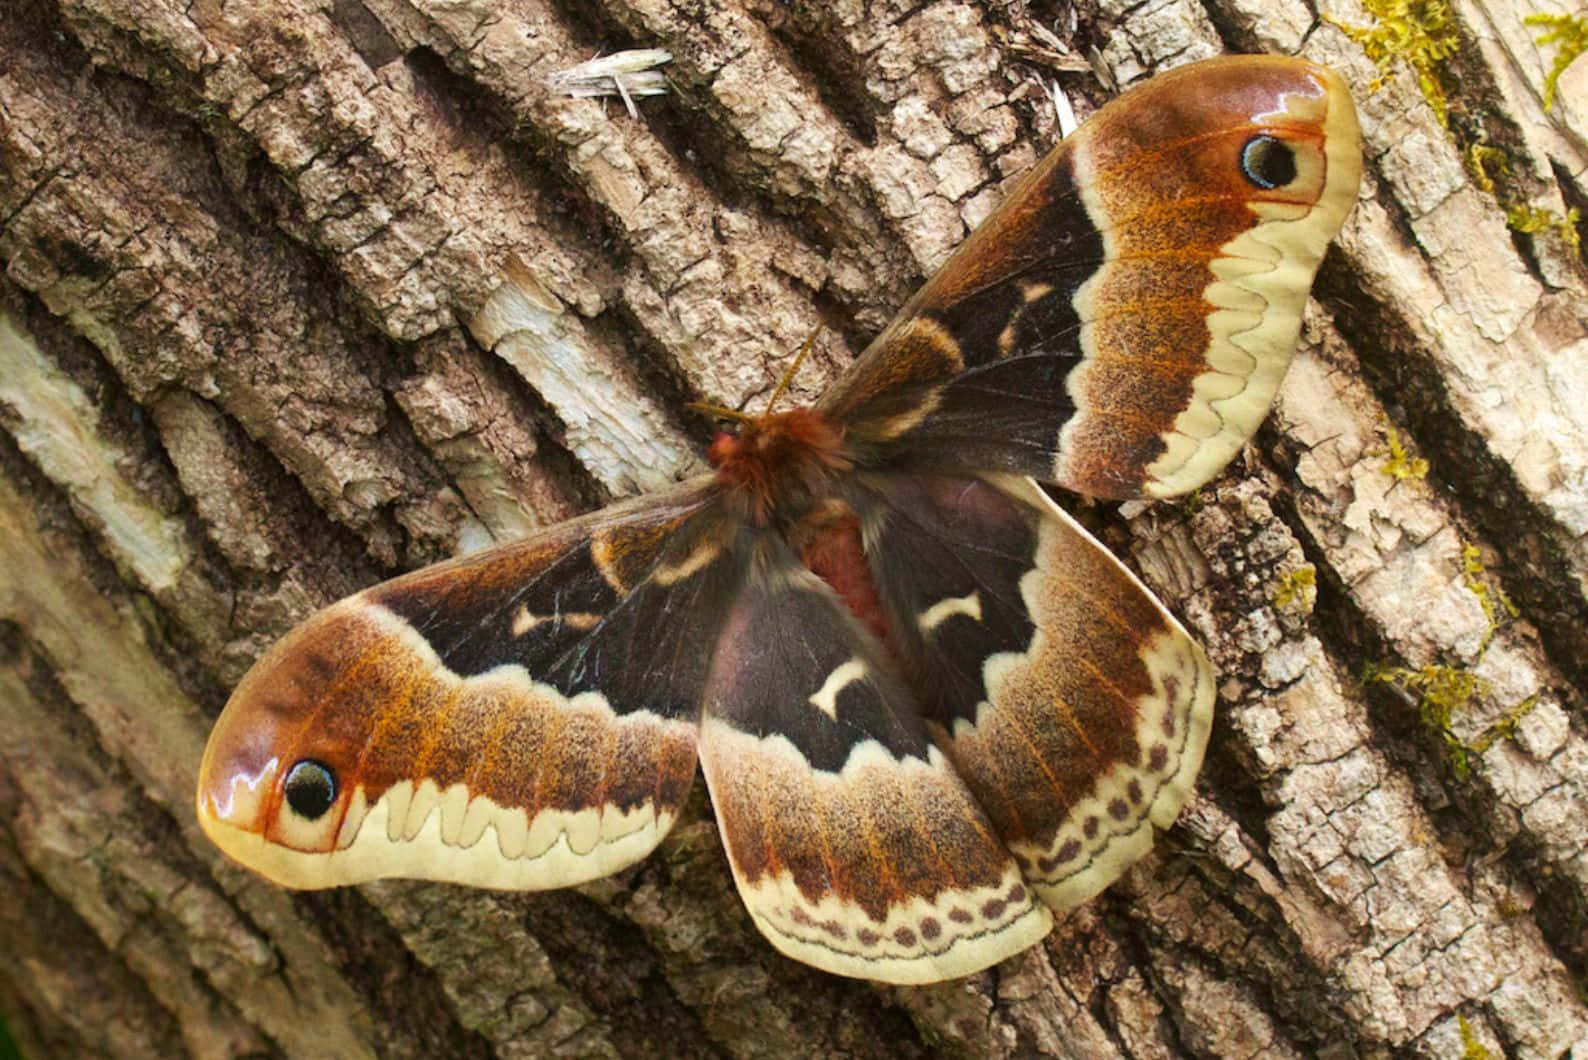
[(1095, 732), (1190, 324)]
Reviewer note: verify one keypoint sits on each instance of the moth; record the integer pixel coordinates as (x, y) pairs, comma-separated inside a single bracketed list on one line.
[(929, 707)]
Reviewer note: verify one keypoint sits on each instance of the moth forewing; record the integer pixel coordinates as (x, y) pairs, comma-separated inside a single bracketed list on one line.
[(1120, 324), (487, 720)]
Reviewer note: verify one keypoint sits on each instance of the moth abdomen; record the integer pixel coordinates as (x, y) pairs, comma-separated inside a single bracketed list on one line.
[(829, 544)]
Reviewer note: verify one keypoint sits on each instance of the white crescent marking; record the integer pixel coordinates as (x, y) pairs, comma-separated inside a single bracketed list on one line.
[(825, 698)]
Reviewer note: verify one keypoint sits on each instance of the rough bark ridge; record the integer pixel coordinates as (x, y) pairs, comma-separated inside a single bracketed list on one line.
[(300, 294)]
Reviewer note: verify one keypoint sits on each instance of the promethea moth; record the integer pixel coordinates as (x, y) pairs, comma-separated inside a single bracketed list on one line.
[(929, 707)]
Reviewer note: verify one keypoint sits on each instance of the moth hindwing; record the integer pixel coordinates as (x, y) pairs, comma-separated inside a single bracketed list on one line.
[(929, 707)]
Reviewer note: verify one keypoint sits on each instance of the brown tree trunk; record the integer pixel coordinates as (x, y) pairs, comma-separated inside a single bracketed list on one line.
[(299, 295)]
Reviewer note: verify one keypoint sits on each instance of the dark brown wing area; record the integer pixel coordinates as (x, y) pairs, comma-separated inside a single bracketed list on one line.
[(1072, 704), (523, 717), (854, 845), (1120, 324)]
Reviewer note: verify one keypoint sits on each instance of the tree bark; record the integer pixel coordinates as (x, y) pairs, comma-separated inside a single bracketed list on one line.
[(300, 295)]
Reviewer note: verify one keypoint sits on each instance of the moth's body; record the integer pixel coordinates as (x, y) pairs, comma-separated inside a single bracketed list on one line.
[(928, 706), (780, 466), (779, 472)]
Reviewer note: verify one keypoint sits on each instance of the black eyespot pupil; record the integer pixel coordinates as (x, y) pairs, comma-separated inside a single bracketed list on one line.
[(311, 788), (1268, 162)]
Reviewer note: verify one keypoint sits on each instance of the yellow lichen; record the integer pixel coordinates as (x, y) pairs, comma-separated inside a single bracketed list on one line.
[(1510, 908), (1299, 587), (1471, 1048), (1423, 34), (1480, 156), (1488, 165), (1400, 465), (1419, 33), (1534, 219), (1491, 598), (1529, 219), (1570, 32)]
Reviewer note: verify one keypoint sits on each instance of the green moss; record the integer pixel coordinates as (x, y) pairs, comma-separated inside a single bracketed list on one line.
[(1570, 32), (1193, 501), (1440, 691), (1485, 162), (1571, 229), (1299, 587), (1488, 166), (1420, 33), (1506, 728), (1400, 465), (1471, 1048)]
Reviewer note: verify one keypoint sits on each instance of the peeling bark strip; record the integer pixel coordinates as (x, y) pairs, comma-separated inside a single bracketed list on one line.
[(238, 243)]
